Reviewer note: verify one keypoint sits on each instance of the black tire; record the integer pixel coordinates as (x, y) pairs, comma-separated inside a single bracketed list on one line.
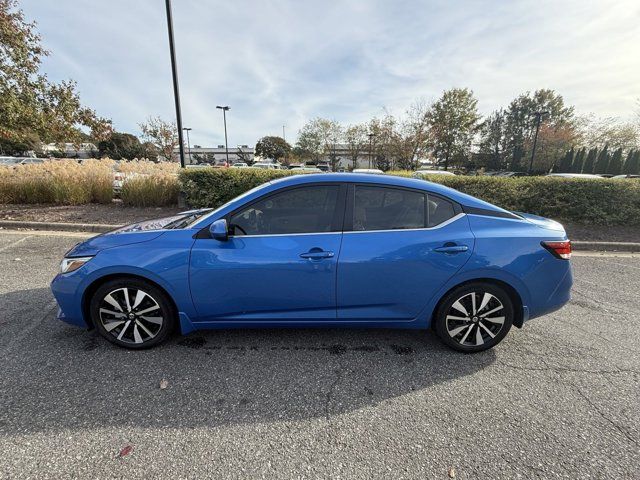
[(483, 329), (117, 312)]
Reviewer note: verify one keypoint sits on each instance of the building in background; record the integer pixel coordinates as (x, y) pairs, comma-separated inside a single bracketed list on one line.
[(70, 150), (215, 155)]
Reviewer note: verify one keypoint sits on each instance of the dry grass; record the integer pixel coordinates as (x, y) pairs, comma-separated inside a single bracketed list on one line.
[(147, 167), (63, 182), (155, 190)]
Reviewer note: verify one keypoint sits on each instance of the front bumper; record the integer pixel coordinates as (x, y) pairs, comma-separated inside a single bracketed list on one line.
[(67, 292)]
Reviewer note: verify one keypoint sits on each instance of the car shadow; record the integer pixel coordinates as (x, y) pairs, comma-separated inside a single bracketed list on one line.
[(58, 377)]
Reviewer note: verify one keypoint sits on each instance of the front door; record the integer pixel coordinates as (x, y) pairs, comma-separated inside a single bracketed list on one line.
[(279, 263), (403, 245)]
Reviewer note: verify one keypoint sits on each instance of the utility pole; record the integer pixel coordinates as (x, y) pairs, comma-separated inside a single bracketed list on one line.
[(371, 135), (226, 142), (535, 138), (283, 137), (174, 72), (188, 129)]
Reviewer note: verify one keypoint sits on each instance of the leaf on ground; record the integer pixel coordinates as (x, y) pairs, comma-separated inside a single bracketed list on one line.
[(452, 472), (164, 383), (125, 451)]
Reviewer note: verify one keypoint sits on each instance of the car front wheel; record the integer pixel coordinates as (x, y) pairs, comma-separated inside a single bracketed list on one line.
[(474, 317), (132, 313)]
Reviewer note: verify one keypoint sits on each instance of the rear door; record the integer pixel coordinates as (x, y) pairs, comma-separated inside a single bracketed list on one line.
[(398, 248)]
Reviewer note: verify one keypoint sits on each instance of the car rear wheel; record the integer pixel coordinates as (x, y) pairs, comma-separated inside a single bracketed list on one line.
[(132, 313), (474, 317)]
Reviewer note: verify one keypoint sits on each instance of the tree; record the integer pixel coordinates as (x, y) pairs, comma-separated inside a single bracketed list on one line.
[(32, 108), (492, 141), (453, 121), (275, 148), (590, 161), (632, 164), (413, 138), (163, 135), (598, 132), (520, 122), (356, 139), (564, 166), (319, 137), (578, 161), (602, 162), (615, 164), (122, 146)]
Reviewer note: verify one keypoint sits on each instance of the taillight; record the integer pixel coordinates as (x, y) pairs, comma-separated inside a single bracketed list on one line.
[(559, 249)]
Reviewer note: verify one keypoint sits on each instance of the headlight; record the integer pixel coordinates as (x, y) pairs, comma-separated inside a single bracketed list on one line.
[(72, 264)]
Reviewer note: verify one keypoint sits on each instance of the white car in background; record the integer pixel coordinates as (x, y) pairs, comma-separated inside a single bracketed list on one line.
[(306, 170), (265, 166), (423, 173), (576, 175), (239, 165), (372, 171)]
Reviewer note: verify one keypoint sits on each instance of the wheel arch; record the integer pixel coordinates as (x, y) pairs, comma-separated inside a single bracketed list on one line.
[(97, 283), (514, 295)]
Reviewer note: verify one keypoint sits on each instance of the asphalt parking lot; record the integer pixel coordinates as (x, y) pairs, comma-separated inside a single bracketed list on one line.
[(557, 399)]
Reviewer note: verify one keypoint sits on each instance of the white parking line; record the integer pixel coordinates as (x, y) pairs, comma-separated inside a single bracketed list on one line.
[(17, 242)]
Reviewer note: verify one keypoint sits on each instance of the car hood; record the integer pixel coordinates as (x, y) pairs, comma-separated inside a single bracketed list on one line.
[(127, 235), (542, 222)]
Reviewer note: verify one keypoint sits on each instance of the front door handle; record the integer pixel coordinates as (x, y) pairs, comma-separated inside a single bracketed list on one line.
[(451, 249), (316, 254)]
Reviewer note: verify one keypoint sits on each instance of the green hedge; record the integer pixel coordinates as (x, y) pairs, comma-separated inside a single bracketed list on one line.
[(600, 202)]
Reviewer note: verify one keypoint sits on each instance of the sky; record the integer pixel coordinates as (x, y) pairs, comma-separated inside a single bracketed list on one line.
[(281, 62)]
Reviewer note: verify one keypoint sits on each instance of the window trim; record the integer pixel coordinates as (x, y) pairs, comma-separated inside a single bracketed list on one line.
[(336, 220), (351, 198)]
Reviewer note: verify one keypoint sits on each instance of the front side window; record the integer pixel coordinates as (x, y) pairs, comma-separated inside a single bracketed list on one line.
[(301, 210), (383, 208)]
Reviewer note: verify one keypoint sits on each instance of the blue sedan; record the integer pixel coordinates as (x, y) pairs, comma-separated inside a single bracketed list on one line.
[(322, 250)]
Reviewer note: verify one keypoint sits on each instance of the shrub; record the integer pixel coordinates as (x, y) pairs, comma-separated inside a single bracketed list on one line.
[(148, 167), (212, 187), (59, 181), (600, 202), (158, 190)]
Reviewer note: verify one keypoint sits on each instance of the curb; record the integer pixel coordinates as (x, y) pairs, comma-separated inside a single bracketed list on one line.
[(59, 227), (583, 245), (579, 245)]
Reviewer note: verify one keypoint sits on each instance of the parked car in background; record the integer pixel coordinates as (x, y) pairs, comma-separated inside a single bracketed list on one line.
[(15, 161), (373, 171), (265, 166), (239, 165), (340, 250), (424, 172), (621, 177), (304, 169), (576, 175)]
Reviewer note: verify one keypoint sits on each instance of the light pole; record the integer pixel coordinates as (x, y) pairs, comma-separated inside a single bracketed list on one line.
[(371, 135), (283, 137), (188, 129), (174, 72), (535, 138), (224, 116)]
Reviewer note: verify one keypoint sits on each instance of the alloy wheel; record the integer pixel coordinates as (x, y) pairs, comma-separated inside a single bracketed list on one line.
[(131, 315), (475, 318)]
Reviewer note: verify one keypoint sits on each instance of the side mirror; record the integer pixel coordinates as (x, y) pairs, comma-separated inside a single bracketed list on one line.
[(219, 230)]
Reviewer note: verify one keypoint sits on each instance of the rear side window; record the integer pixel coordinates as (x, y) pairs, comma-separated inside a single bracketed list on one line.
[(440, 210), (383, 208), (300, 210)]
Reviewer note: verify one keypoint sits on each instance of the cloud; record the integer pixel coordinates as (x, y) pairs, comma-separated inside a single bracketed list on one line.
[(282, 62)]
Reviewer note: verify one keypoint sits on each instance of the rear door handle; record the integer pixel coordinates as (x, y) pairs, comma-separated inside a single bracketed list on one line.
[(451, 249), (316, 254)]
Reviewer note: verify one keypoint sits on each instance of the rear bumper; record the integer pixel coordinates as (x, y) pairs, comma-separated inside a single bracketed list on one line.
[(65, 289), (558, 298)]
